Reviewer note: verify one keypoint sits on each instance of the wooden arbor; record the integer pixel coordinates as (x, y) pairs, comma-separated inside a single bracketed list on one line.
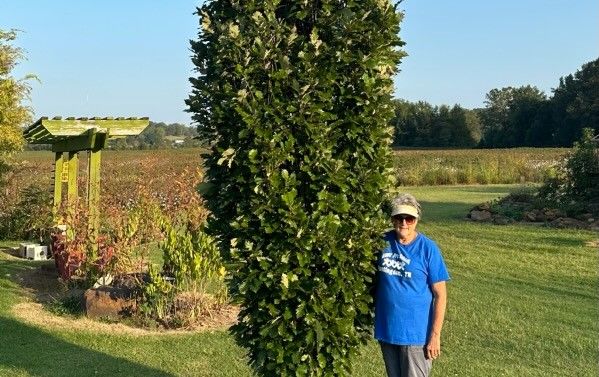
[(70, 136)]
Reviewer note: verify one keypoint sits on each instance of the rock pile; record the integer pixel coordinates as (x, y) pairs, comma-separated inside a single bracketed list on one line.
[(508, 212)]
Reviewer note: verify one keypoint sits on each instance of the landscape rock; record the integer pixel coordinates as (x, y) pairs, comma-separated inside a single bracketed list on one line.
[(568, 222), (532, 216), (552, 214), (480, 215), (109, 302), (483, 207), (502, 220), (585, 217)]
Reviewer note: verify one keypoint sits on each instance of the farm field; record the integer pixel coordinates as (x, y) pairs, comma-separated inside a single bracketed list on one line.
[(522, 302), (124, 173), (416, 167)]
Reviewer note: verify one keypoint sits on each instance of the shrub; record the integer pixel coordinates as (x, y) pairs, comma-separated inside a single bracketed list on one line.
[(295, 98), (582, 169), (191, 282), (30, 217), (81, 256), (575, 186)]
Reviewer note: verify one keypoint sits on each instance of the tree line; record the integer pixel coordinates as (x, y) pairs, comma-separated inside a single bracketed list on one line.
[(158, 135), (512, 116)]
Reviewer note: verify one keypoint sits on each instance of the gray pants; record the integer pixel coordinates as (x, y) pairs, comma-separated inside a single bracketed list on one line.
[(405, 361)]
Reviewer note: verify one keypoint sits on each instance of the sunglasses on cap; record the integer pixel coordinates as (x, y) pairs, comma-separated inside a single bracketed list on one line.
[(409, 219)]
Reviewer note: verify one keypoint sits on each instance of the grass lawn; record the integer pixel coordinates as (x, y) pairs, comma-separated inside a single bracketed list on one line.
[(523, 301)]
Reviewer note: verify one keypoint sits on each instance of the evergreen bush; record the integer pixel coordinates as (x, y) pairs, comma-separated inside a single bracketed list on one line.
[(575, 187), (295, 98)]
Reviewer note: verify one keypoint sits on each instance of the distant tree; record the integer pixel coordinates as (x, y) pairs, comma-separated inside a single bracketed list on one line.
[(541, 131), (495, 114), (178, 129), (441, 128), (13, 92), (524, 107), (154, 137), (412, 123), (575, 104), (508, 115), (424, 116), (422, 125), (465, 126)]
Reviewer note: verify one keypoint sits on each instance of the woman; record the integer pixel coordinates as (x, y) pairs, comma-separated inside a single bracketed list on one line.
[(410, 296)]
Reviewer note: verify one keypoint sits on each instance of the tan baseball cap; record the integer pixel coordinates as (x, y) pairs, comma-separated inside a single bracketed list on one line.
[(404, 209)]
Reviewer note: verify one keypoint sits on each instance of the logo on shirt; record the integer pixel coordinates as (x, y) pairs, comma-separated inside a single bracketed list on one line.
[(395, 264)]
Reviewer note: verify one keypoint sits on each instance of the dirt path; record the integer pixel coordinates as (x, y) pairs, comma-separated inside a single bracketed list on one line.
[(34, 313)]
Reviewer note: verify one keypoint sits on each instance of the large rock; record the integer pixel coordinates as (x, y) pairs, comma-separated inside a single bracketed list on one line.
[(586, 217), (109, 302), (483, 206), (552, 214), (568, 222), (502, 220), (529, 216), (480, 215)]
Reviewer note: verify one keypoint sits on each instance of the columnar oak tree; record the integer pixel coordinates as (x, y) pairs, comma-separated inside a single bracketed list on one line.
[(295, 98)]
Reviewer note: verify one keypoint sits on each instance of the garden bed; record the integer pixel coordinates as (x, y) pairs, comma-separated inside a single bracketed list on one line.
[(52, 304)]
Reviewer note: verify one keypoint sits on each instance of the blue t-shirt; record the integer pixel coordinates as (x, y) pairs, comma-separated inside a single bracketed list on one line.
[(403, 309)]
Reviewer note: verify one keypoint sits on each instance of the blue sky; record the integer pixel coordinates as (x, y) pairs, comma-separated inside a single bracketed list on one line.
[(132, 58)]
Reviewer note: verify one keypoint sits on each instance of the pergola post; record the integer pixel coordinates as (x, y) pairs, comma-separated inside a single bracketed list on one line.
[(58, 166), (72, 188), (93, 189)]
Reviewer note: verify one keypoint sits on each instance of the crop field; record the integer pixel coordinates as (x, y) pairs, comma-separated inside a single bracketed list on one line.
[(522, 299), (472, 166), (159, 168), (123, 173)]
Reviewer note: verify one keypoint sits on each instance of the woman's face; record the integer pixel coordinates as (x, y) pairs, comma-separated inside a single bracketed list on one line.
[(405, 226)]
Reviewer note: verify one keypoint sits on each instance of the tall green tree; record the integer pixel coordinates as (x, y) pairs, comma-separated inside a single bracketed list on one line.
[(575, 104), (420, 124), (295, 97), (412, 123), (13, 92), (465, 127), (509, 114)]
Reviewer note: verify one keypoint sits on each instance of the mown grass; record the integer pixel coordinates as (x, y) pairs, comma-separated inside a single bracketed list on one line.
[(522, 302), (475, 166)]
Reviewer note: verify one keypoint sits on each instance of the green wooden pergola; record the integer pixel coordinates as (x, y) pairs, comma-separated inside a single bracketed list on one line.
[(70, 136)]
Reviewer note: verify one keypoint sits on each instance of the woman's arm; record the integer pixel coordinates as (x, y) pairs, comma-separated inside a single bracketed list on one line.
[(433, 346)]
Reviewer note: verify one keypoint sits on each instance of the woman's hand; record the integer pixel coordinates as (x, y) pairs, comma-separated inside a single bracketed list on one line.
[(433, 347)]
